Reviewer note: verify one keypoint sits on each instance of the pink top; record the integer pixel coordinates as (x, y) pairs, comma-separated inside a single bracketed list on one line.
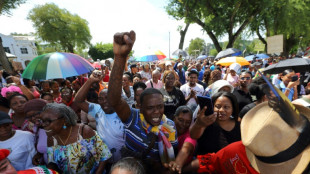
[(186, 138), (232, 79), (157, 85)]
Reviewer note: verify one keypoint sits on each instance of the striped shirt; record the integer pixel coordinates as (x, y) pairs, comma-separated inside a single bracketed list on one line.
[(138, 140)]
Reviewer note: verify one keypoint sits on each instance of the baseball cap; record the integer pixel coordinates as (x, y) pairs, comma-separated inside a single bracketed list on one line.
[(193, 71), (5, 118)]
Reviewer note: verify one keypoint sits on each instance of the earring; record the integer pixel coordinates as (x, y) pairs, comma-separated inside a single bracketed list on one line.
[(64, 127)]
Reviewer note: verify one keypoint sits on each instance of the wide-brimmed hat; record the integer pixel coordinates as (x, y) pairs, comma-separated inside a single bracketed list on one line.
[(272, 145), (216, 86)]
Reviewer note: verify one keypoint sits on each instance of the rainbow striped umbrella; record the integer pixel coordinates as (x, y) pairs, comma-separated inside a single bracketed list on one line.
[(157, 55), (56, 66)]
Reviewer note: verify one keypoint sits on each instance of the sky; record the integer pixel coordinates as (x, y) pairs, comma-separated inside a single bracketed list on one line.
[(147, 18)]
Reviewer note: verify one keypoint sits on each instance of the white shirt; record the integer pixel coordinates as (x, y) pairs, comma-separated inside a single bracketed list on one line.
[(157, 85), (22, 149), (110, 128), (146, 75), (186, 89)]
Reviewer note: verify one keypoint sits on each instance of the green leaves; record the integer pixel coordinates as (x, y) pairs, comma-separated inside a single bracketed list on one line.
[(196, 46), (59, 26), (7, 5)]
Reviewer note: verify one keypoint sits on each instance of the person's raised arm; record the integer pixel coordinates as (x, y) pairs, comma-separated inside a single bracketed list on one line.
[(122, 45), (201, 123), (80, 97), (23, 88)]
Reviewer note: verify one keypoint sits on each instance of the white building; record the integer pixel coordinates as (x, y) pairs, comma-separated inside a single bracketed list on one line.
[(23, 47)]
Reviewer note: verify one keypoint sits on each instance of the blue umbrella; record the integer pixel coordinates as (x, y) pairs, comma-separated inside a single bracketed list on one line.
[(258, 57), (201, 57)]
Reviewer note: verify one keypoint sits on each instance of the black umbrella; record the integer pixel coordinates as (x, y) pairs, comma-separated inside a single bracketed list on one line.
[(296, 64), (228, 53), (180, 52)]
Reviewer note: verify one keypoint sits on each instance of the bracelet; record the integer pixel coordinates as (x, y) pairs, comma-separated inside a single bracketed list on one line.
[(288, 89)]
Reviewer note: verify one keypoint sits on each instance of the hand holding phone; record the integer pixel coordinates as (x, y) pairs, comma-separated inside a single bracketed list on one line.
[(206, 101)]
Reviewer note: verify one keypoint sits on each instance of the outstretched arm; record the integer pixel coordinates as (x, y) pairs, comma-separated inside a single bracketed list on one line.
[(80, 97), (122, 45)]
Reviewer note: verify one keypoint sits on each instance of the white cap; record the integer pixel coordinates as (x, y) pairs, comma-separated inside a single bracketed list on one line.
[(180, 64), (168, 63), (216, 86), (236, 67)]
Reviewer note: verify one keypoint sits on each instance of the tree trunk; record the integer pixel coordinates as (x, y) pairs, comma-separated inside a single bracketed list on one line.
[(183, 33), (261, 39), (4, 61)]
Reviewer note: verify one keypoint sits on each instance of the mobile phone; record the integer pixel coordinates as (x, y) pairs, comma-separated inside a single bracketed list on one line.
[(206, 101), (294, 78)]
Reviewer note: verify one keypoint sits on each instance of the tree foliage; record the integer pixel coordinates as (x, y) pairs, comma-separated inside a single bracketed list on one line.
[(287, 17), (101, 51), (218, 17), (196, 44), (59, 26), (7, 5)]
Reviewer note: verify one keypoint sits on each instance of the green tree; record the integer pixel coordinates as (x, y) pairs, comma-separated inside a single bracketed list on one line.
[(101, 51), (59, 26), (7, 5), (196, 44), (287, 17), (5, 9), (213, 52), (218, 17)]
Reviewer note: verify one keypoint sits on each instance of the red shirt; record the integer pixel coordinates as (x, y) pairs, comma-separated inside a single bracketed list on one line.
[(231, 159)]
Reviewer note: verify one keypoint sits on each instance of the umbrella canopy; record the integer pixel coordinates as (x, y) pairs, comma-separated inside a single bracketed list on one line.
[(96, 65), (230, 60), (180, 52), (56, 66), (296, 64), (201, 57), (228, 52), (258, 57), (157, 55)]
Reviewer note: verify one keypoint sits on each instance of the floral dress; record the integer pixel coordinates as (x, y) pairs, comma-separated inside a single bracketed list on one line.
[(82, 156)]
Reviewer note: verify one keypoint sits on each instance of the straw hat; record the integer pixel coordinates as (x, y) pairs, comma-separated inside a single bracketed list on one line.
[(265, 135)]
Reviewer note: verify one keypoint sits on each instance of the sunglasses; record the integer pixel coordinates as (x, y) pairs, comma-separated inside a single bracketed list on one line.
[(245, 78)]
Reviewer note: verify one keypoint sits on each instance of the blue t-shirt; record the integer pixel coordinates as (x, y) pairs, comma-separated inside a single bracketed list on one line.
[(136, 138), (110, 128), (291, 94)]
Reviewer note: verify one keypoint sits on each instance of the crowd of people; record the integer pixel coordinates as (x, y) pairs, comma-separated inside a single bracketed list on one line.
[(145, 118)]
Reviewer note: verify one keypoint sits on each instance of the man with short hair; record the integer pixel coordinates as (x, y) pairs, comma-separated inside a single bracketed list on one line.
[(109, 127), (191, 89), (133, 69), (155, 82), (150, 136), (242, 92)]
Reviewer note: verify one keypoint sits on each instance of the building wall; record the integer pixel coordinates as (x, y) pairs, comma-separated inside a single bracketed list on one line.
[(23, 47)]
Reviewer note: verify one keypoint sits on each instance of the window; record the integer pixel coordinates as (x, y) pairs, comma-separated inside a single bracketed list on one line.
[(7, 49), (24, 50)]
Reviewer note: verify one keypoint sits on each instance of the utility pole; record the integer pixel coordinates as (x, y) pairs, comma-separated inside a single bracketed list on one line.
[(169, 45)]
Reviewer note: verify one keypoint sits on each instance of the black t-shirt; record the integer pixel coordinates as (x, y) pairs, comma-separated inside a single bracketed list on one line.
[(172, 101), (246, 109), (214, 138), (242, 98)]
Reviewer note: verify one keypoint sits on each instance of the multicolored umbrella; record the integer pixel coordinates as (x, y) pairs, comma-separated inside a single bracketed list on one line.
[(56, 65), (230, 60), (157, 55)]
